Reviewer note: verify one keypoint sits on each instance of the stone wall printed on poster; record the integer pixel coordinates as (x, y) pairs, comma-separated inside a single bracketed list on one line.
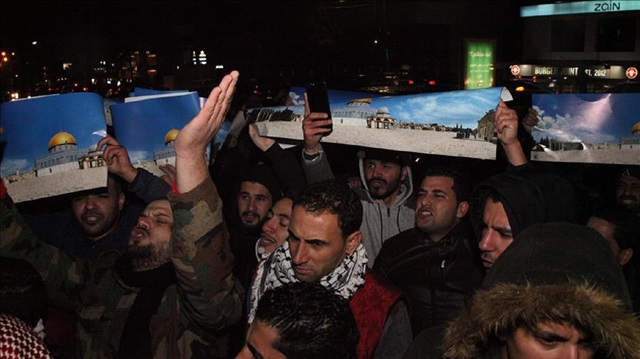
[(50, 145), (456, 123)]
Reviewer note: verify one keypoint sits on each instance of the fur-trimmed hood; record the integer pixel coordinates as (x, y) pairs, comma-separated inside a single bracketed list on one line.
[(499, 310), (555, 272)]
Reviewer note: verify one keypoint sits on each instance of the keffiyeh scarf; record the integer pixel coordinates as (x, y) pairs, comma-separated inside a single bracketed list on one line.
[(277, 270)]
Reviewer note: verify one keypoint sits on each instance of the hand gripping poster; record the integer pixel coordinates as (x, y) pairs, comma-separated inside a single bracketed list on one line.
[(456, 123)]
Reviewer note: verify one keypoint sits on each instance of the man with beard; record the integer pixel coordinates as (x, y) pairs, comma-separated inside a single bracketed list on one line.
[(436, 264), (386, 178), (99, 220), (172, 294), (628, 189), (257, 190)]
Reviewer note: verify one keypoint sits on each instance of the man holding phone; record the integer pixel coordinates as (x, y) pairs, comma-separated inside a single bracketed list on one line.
[(386, 178)]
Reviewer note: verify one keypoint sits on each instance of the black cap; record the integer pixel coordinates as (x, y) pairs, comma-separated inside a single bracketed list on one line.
[(263, 174), (385, 155)]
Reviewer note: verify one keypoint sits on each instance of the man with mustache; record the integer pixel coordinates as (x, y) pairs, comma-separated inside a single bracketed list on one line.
[(386, 177), (99, 220), (172, 294), (628, 189), (258, 188), (436, 264)]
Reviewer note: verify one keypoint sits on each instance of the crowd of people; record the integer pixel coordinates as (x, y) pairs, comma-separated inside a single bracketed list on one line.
[(272, 253)]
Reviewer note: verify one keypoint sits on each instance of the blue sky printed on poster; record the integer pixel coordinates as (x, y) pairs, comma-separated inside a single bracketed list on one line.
[(462, 108), (337, 96), (141, 126), (28, 125), (587, 118)]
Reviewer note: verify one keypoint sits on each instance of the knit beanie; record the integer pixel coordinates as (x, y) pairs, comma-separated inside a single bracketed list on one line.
[(263, 174), (557, 253)]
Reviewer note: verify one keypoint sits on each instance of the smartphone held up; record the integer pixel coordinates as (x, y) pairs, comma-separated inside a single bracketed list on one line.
[(319, 100)]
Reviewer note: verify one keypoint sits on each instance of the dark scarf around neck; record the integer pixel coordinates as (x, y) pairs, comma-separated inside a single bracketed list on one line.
[(136, 336)]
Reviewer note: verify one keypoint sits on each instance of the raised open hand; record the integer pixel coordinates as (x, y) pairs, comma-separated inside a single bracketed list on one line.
[(192, 141)]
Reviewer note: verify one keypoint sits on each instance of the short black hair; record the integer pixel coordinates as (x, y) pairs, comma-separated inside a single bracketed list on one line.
[(312, 321), (461, 183), (333, 197)]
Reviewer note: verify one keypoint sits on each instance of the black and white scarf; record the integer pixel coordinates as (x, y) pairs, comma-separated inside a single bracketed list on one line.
[(276, 270)]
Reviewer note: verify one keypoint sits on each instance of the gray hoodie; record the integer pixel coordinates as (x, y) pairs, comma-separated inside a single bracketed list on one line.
[(379, 222)]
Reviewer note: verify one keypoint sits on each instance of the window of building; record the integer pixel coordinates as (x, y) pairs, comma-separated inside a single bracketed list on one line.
[(616, 34), (567, 35)]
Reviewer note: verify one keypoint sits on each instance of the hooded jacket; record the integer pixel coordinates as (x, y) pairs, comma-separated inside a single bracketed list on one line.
[(554, 272), (528, 198), (379, 222)]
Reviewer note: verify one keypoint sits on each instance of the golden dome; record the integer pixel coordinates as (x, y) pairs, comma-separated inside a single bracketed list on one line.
[(62, 138), (360, 100), (635, 128), (171, 136)]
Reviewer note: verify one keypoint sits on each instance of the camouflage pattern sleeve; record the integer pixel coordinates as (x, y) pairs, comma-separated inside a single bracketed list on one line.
[(210, 294), (62, 276)]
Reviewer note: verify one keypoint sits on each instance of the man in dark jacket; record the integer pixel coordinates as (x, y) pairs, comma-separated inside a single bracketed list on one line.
[(505, 204), (437, 263), (557, 292)]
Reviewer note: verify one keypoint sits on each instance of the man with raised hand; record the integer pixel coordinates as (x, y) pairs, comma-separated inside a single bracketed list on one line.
[(172, 294)]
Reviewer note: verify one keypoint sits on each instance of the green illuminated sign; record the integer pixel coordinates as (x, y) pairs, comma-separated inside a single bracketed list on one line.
[(479, 72)]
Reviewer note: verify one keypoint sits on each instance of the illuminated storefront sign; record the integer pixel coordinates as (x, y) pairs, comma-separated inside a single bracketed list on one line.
[(579, 7), (610, 72), (479, 72)]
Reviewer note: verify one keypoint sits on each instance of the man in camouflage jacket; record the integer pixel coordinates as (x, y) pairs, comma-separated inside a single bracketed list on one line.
[(178, 261)]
